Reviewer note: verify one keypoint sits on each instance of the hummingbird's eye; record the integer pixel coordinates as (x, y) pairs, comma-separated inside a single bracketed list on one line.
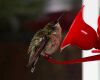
[(53, 27)]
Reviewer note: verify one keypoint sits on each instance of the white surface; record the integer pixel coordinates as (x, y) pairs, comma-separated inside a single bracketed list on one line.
[(90, 70), (90, 15), (91, 11), (57, 5)]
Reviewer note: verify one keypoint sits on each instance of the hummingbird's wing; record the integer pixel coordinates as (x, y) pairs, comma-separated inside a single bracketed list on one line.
[(35, 49)]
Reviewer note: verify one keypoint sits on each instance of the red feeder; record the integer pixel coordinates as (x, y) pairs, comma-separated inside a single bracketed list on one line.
[(98, 32), (80, 34)]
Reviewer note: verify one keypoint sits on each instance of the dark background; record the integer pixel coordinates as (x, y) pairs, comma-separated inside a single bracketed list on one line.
[(19, 20)]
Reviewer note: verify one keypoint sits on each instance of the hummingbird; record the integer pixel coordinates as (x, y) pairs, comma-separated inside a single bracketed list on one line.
[(44, 43)]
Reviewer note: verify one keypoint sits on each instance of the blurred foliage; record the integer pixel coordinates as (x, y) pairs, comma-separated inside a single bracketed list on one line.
[(24, 7)]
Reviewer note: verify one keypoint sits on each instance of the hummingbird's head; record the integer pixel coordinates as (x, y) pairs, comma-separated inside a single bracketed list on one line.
[(57, 28), (54, 26), (51, 26)]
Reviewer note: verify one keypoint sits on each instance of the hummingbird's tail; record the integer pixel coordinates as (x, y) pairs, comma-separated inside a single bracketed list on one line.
[(32, 65)]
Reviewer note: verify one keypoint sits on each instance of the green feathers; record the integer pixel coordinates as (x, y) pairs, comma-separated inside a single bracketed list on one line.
[(37, 38)]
